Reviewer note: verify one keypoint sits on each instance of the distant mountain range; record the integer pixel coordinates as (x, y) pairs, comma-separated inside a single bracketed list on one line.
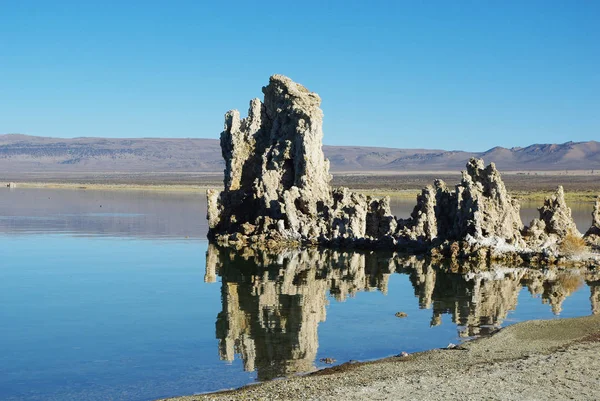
[(23, 153)]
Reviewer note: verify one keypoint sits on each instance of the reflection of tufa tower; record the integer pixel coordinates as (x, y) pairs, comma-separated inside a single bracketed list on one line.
[(494, 295), (592, 279), (272, 304), (595, 297), (481, 300), (477, 301), (558, 287), (271, 320)]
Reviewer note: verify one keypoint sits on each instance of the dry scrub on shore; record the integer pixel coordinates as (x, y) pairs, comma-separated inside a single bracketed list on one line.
[(573, 245)]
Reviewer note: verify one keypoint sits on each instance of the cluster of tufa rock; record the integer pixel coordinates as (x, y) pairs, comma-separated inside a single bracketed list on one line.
[(593, 234), (479, 207), (271, 313), (277, 193)]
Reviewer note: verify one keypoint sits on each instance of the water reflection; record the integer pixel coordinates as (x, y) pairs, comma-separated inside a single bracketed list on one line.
[(273, 304), (140, 214), (594, 285), (480, 301)]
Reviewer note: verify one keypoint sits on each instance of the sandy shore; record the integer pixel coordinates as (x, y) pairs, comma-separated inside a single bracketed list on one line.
[(535, 360)]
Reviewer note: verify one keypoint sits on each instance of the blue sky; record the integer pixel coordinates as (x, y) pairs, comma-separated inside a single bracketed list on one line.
[(415, 74)]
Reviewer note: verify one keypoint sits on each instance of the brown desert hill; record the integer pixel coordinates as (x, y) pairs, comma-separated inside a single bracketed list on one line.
[(356, 158), (431, 161), (23, 153), (30, 153), (569, 155)]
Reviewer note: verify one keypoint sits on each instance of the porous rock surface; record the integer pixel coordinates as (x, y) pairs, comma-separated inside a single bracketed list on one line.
[(556, 215), (554, 224), (479, 207), (593, 234), (277, 193), (277, 178)]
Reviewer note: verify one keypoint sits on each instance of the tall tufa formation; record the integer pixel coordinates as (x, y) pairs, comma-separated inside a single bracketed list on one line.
[(277, 178), (274, 162)]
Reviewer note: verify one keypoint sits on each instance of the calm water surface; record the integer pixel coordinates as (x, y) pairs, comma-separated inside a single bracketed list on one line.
[(118, 296)]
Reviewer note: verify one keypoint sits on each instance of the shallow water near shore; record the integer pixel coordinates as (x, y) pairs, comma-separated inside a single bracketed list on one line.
[(118, 295)]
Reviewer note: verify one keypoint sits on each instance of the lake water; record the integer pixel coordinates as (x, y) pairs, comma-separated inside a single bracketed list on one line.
[(118, 296)]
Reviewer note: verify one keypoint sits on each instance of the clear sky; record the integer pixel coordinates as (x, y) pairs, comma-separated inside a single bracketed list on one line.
[(415, 74)]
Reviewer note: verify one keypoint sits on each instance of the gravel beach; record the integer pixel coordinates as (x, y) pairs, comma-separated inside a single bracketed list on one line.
[(541, 359)]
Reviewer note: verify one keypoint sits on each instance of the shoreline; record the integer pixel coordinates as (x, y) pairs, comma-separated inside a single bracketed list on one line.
[(536, 359), (534, 195), (115, 186)]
